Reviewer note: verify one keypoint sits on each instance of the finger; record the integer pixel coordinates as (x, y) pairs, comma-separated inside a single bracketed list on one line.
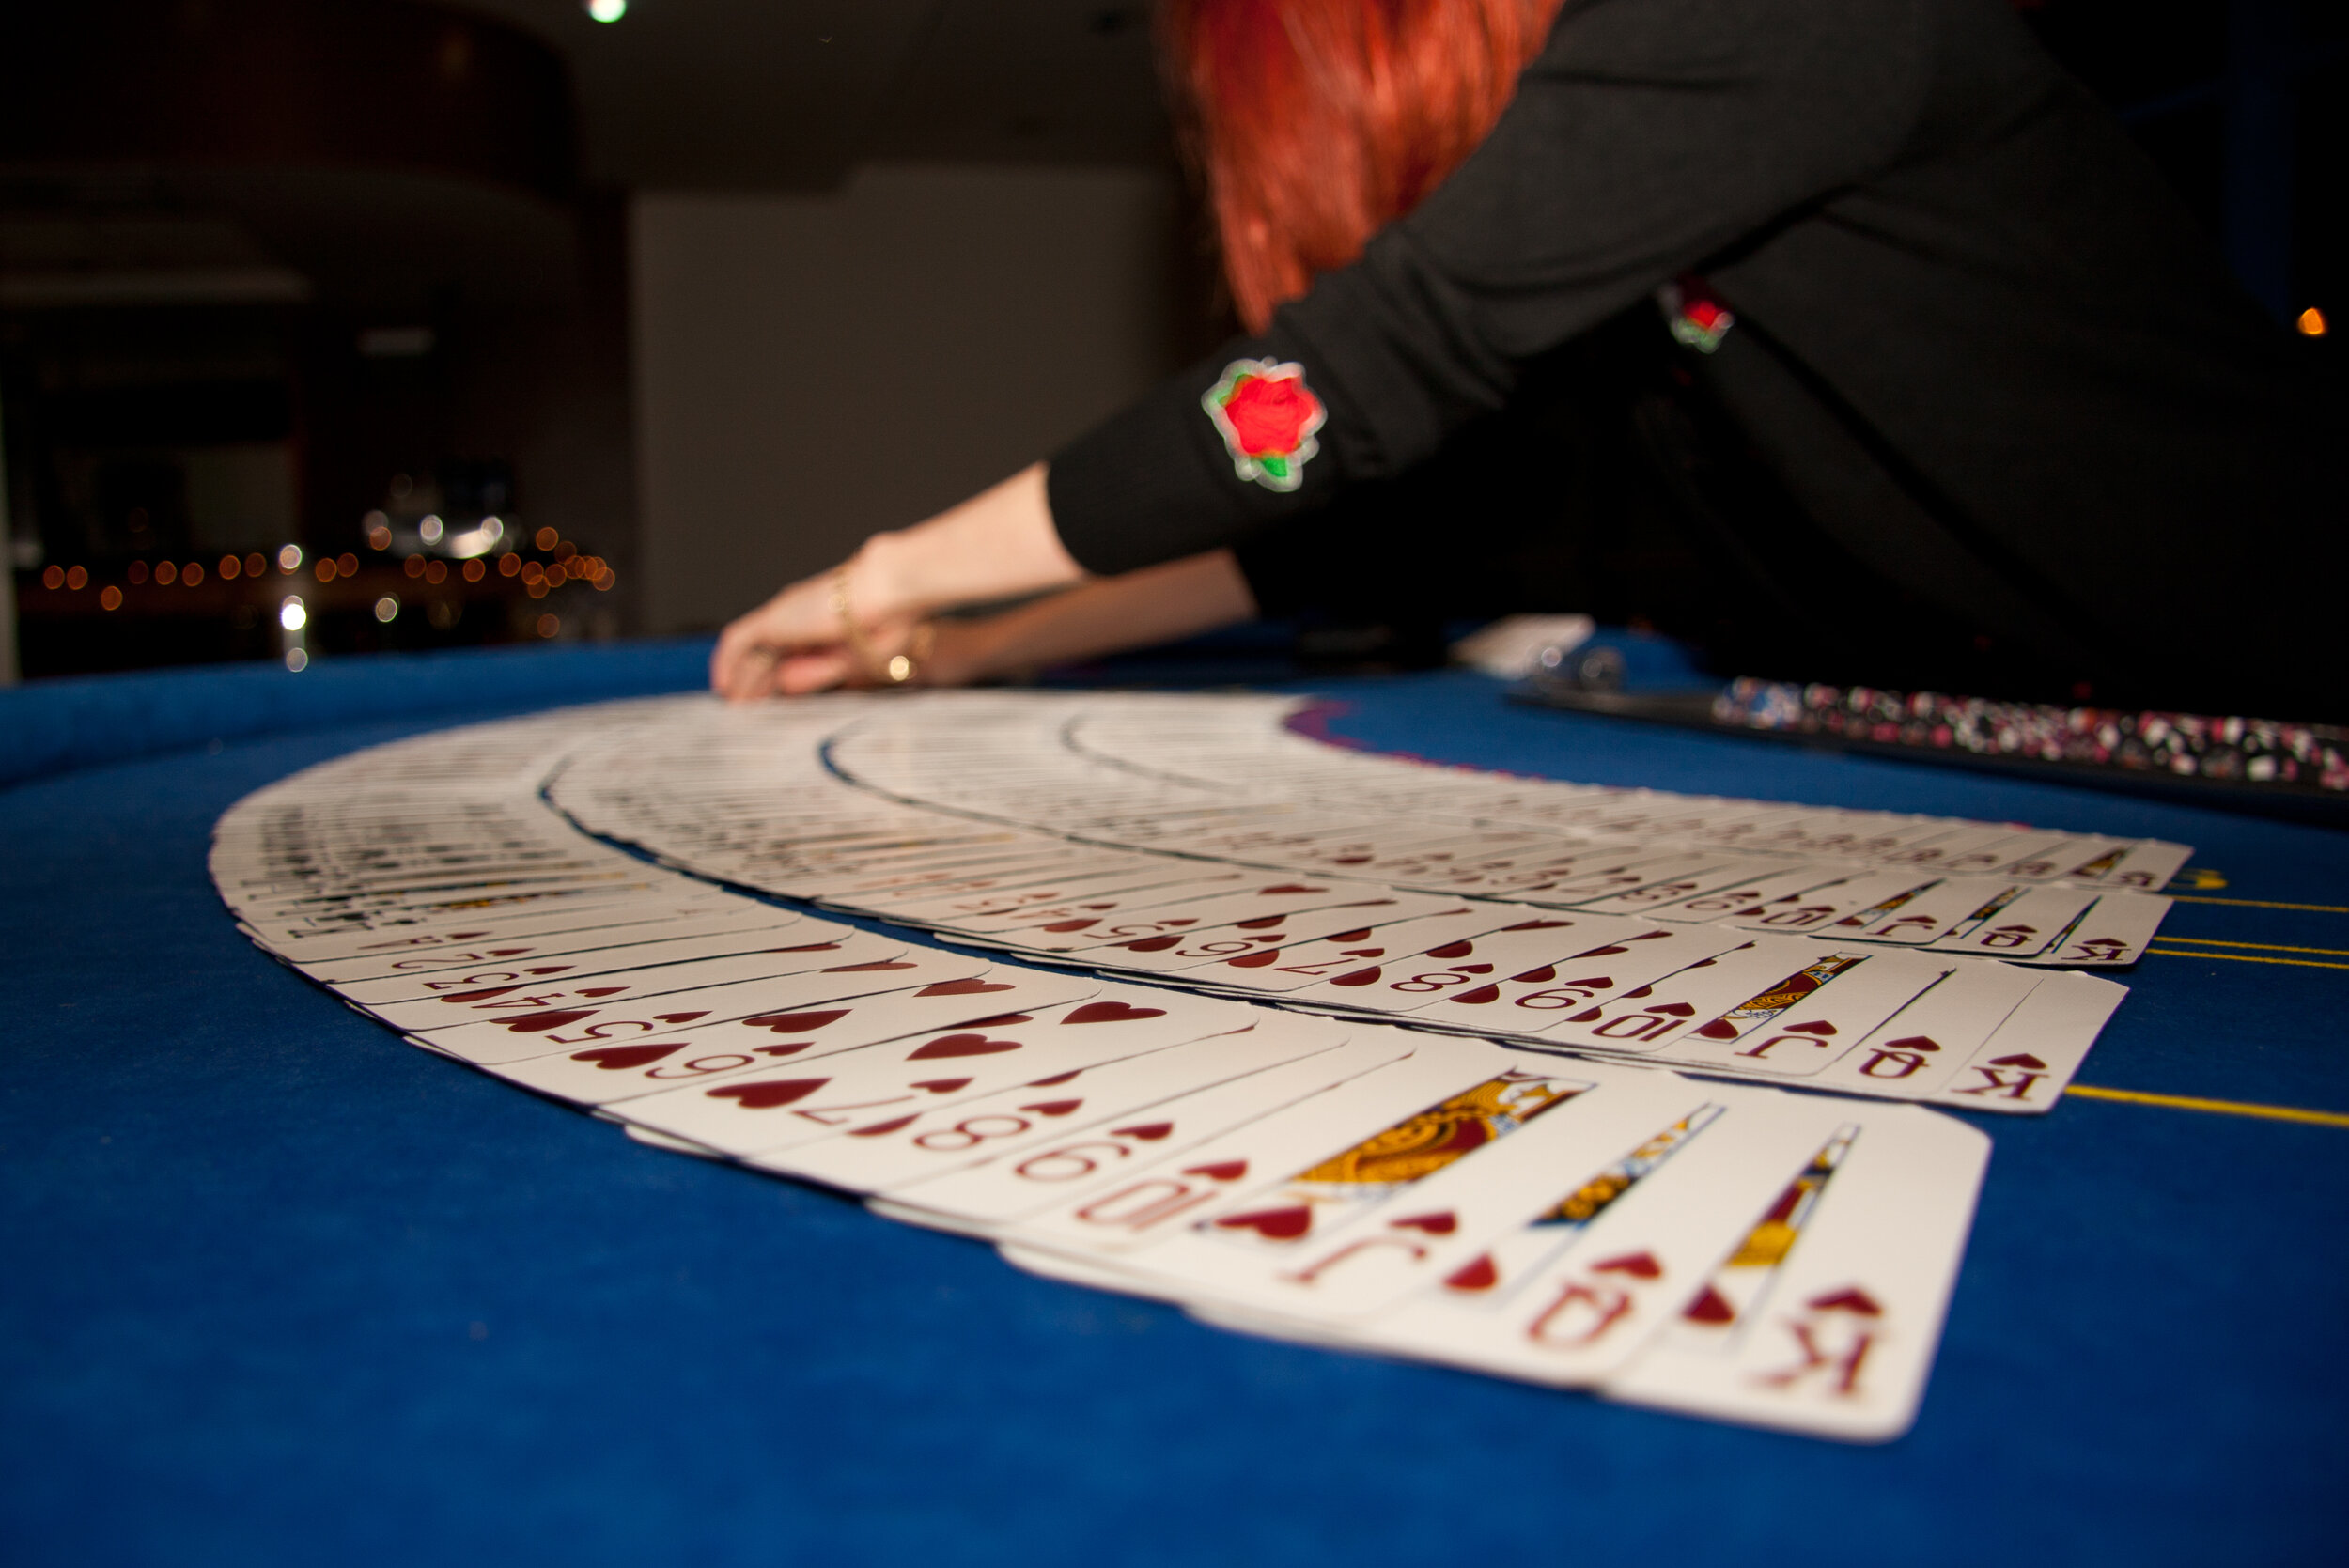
[(751, 676), (818, 670)]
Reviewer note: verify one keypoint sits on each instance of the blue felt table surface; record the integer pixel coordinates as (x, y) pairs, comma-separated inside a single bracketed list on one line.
[(275, 1287)]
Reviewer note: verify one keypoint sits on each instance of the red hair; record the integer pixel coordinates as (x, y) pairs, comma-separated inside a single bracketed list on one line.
[(1314, 123)]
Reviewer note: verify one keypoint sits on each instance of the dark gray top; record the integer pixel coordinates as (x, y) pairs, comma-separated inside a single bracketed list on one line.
[(1978, 339)]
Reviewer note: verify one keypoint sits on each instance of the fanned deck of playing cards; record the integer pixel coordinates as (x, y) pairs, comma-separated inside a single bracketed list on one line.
[(1485, 1071)]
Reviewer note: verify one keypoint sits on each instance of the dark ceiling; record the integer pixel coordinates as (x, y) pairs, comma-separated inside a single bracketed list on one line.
[(791, 94)]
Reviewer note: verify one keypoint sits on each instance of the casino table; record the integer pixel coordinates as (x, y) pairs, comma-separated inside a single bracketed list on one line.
[(280, 1288)]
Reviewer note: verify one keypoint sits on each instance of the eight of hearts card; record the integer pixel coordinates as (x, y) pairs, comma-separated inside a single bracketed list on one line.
[(1427, 1064)]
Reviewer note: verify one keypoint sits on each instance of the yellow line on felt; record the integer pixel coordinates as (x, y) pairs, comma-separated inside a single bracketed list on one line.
[(2263, 904), (2263, 947), (2220, 1108), (2245, 958)]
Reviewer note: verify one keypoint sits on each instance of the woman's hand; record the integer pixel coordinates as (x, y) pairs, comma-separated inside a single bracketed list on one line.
[(802, 641), (842, 627)]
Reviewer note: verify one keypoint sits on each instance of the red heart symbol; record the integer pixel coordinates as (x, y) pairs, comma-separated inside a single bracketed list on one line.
[(1672, 1009), (795, 1023), (2024, 1061), (881, 1129), (1253, 960), (459, 999), (1537, 925), (1717, 1030), (1111, 1012), (1709, 1307), (531, 1023), (1363, 953), (811, 947), (962, 1045), (972, 988), (1286, 888), (1852, 1300), (602, 991), (1361, 936), (1272, 1224), (1597, 983), (1473, 968), (1587, 1016), (1441, 1223), (942, 1085), (765, 1096), (1053, 1107), (1062, 927), (1640, 1265), (1821, 1028), (1360, 977), (1222, 1170), (1913, 1042), (1452, 950), (1149, 1133), (1608, 951), (1542, 976), (1262, 923), (681, 1017), (1638, 991), (1478, 997), (613, 1059), (998, 1020), (1150, 944), (1478, 1275), (546, 969), (1068, 1076), (881, 967), (792, 1049)]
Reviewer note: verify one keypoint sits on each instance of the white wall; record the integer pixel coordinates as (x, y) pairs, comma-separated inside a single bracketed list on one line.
[(810, 369)]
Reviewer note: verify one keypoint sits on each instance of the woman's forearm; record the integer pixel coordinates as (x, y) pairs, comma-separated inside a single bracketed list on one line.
[(1158, 604), (999, 544)]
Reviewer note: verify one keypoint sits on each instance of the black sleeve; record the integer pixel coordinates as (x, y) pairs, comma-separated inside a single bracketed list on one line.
[(1648, 136)]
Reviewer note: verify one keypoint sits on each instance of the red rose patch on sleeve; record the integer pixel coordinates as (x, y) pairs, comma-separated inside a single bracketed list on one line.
[(1267, 416)]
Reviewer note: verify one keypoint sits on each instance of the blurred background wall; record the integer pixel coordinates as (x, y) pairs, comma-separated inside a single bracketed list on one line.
[(338, 325), (810, 368)]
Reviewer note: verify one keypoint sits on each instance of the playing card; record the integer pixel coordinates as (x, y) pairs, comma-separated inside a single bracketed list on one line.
[(1533, 998), (600, 1023), (2110, 932), (2025, 1065), (1416, 980), (748, 923), (1353, 1234), (1288, 1178), (1919, 1050), (2020, 926), (879, 1089), (568, 997), (1646, 1017), (1295, 966), (1826, 1318), (1172, 951), (1064, 924), (1181, 916), (1571, 1294), (1007, 1125), (792, 944), (1823, 909), (1795, 1027), (1088, 1159)]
